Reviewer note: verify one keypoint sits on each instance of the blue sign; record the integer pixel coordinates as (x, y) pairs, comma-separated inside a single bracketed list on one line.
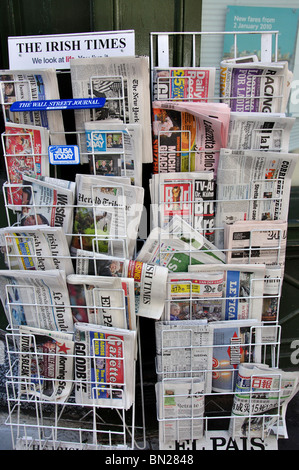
[(51, 105), (64, 154)]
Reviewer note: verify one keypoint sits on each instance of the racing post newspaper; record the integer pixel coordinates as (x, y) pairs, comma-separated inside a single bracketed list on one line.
[(124, 83), (26, 85), (255, 86), (37, 299), (260, 401), (104, 366), (149, 280), (46, 364)]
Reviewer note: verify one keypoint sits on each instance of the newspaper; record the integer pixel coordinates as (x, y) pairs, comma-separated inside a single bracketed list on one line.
[(115, 149), (25, 150), (149, 280), (103, 300), (184, 349), (181, 406), (177, 246), (255, 87), (256, 242), (106, 210), (183, 83), (273, 282), (46, 364), (37, 247), (262, 395), (242, 291), (189, 195), (124, 82), (185, 140), (104, 366), (234, 342), (27, 85), (36, 299), (252, 185), (260, 131)]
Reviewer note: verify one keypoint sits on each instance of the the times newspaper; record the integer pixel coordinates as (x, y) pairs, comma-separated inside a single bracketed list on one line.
[(26, 85), (260, 401), (104, 366), (37, 299), (255, 87), (35, 247), (124, 82), (114, 149), (252, 185), (183, 84), (106, 210), (149, 280), (46, 364)]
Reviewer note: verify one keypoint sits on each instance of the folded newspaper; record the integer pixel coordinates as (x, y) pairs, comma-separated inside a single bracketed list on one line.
[(256, 86), (252, 185), (104, 366), (183, 83), (234, 342), (106, 210), (184, 349), (114, 149), (25, 151), (27, 85), (262, 395), (103, 300), (36, 247), (37, 299), (177, 246), (46, 364), (149, 280), (189, 195), (242, 291), (181, 406), (124, 82)]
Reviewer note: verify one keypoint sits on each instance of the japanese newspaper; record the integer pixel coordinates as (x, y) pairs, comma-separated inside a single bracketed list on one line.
[(26, 85), (104, 366), (252, 185), (37, 299), (149, 280), (46, 364), (124, 83), (260, 401)]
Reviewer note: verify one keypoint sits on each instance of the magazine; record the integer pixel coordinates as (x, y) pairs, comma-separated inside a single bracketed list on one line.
[(185, 140), (104, 366), (106, 210), (240, 286), (180, 405), (255, 87), (149, 280), (252, 185), (184, 349), (28, 85), (256, 242), (177, 246), (103, 300), (262, 394), (36, 299), (25, 151), (183, 83), (115, 149), (37, 247), (260, 131), (234, 342), (46, 364), (189, 195), (124, 82)]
